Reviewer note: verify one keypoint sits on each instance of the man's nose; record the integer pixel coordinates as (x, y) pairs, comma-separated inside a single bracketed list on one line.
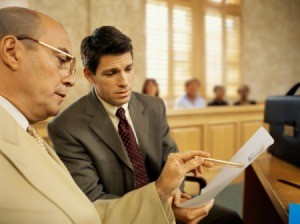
[(68, 80), (123, 79)]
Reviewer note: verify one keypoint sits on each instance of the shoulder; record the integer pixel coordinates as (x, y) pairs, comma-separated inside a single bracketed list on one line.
[(146, 100), (180, 100), (72, 112), (212, 103), (149, 104)]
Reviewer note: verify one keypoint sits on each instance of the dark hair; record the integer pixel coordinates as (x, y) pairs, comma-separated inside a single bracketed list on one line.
[(18, 21), (191, 81), (147, 81), (217, 87), (105, 40), (243, 87)]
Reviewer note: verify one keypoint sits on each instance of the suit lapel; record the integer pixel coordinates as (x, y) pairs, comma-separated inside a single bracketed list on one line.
[(140, 122), (44, 173), (104, 128), (55, 157)]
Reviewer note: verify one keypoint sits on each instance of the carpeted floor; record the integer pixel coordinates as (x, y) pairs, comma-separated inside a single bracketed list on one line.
[(232, 197)]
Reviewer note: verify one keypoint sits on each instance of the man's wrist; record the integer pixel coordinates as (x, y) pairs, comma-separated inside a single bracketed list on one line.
[(160, 190)]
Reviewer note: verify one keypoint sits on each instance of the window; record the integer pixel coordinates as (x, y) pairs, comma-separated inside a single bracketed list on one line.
[(169, 44), (157, 44), (222, 46), (193, 38)]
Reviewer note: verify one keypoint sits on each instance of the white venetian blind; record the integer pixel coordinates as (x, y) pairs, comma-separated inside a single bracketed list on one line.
[(233, 50), (222, 46), (213, 50), (157, 43), (182, 46), (169, 44)]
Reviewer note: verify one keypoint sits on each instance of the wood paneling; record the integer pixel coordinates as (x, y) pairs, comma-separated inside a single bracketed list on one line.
[(222, 140), (248, 129), (188, 138)]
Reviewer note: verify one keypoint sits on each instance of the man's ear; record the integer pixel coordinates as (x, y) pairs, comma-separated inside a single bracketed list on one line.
[(88, 75), (9, 52)]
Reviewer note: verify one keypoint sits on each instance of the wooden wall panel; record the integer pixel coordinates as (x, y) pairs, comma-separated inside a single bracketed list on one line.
[(222, 140), (248, 128), (188, 138)]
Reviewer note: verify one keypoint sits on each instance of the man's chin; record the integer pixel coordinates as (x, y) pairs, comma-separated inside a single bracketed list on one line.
[(54, 110), (121, 101)]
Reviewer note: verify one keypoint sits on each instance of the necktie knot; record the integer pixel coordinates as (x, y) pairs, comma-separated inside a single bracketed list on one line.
[(31, 130), (121, 113)]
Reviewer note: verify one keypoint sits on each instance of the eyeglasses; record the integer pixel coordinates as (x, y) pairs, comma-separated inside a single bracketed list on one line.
[(66, 62)]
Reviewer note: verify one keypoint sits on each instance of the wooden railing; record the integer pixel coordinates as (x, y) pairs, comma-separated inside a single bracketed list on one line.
[(218, 130)]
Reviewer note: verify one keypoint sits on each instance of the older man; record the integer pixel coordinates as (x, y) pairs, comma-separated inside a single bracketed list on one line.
[(36, 67)]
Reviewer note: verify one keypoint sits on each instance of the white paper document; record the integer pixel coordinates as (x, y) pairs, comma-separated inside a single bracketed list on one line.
[(256, 145)]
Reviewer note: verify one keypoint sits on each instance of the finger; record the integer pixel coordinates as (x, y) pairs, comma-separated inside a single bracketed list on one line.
[(202, 211), (200, 169), (196, 172), (177, 198), (210, 204), (192, 164), (190, 154), (185, 196), (208, 164)]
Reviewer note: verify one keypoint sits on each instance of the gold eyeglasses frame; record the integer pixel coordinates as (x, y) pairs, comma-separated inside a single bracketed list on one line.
[(70, 58)]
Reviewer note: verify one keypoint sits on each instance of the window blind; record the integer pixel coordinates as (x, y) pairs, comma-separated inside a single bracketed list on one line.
[(222, 47), (170, 36), (157, 44), (169, 44)]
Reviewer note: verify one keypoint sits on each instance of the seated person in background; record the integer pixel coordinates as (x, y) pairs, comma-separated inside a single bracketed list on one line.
[(150, 87), (244, 92), (110, 152), (191, 98), (219, 97)]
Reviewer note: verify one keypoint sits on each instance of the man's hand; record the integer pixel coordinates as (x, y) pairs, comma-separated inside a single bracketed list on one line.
[(175, 169), (188, 215)]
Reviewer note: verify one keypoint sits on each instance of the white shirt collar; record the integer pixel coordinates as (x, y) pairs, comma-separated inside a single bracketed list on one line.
[(110, 109), (14, 112)]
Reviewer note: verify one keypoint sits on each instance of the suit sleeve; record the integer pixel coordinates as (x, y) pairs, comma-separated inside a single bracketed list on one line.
[(138, 206), (79, 163)]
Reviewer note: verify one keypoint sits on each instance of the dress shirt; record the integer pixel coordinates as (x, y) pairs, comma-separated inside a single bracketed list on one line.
[(184, 102), (111, 110), (14, 112)]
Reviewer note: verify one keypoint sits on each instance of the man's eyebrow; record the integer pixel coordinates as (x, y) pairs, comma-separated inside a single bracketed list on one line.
[(110, 69), (116, 69), (131, 64)]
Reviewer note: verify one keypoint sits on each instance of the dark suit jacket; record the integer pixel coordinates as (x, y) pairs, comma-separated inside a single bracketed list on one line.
[(87, 142)]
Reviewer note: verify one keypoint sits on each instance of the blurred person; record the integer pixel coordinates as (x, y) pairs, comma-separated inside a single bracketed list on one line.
[(191, 98), (150, 87), (37, 67), (219, 100), (244, 91)]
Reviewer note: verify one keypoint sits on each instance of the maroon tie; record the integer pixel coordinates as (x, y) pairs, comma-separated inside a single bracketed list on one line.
[(132, 148)]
